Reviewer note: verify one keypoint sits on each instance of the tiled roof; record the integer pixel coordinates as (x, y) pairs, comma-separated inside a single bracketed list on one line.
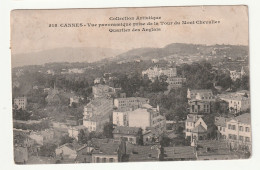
[(141, 153), (182, 152), (244, 118), (107, 149), (199, 129), (126, 130), (221, 121)]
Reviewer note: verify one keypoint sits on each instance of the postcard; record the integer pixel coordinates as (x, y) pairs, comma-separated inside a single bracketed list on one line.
[(130, 84)]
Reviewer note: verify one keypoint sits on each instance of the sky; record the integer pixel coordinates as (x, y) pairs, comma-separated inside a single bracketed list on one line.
[(30, 31)]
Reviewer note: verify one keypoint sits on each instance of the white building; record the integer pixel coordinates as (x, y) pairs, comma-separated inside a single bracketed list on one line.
[(75, 130), (195, 127), (147, 117), (100, 90), (237, 130), (236, 102), (20, 102), (234, 75), (202, 95), (155, 72), (175, 82), (97, 113), (130, 102)]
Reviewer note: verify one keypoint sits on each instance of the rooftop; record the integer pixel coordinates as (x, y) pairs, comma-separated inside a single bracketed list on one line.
[(182, 152), (126, 130)]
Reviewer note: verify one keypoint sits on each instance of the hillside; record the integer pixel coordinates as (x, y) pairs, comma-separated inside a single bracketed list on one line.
[(63, 55), (180, 49)]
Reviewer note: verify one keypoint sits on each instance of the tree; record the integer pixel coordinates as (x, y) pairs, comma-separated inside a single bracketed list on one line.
[(66, 139), (47, 150), (140, 137), (108, 130), (82, 137)]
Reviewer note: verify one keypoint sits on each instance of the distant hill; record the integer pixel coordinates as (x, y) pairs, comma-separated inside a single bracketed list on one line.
[(63, 55), (232, 51)]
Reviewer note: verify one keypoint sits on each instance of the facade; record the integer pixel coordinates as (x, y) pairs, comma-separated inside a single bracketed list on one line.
[(97, 113), (130, 102), (20, 102), (236, 102), (42, 137), (202, 95), (120, 117), (195, 128), (197, 106), (100, 90), (175, 82), (147, 117), (98, 106), (234, 75), (155, 72), (20, 155), (237, 131), (96, 122), (130, 134), (74, 131), (74, 99)]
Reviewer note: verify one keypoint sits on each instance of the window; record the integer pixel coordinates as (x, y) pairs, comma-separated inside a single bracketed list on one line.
[(241, 138), (97, 159), (235, 137), (247, 139), (111, 159), (233, 127), (241, 128), (229, 126), (247, 129)]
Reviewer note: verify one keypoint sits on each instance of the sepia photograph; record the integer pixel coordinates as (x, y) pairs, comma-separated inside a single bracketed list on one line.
[(146, 84)]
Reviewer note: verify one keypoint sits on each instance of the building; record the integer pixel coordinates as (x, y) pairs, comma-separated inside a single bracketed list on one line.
[(130, 134), (175, 82), (181, 153), (197, 107), (97, 107), (21, 155), (75, 99), (202, 95), (20, 102), (130, 102), (75, 130), (237, 130), (97, 80), (234, 75), (96, 122), (196, 128), (106, 152), (100, 90), (68, 150), (42, 137), (146, 117), (53, 97), (97, 113), (236, 102), (156, 72), (214, 150), (76, 71), (120, 117), (136, 153)]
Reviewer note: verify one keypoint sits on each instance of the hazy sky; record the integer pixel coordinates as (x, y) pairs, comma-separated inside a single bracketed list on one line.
[(30, 29)]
